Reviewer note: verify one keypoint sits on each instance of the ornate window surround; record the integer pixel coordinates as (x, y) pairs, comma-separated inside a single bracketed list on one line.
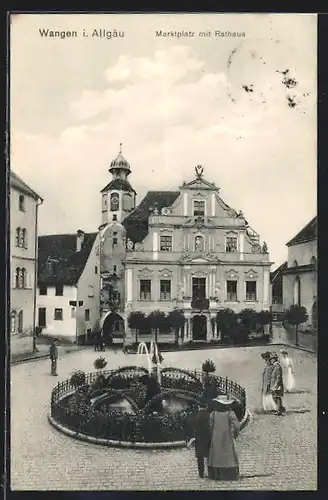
[(231, 234)]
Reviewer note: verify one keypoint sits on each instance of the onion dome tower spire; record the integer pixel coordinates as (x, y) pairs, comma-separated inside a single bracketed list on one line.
[(118, 197)]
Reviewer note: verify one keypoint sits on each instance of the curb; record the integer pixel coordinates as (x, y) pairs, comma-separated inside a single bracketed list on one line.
[(209, 347), (36, 358), (127, 444)]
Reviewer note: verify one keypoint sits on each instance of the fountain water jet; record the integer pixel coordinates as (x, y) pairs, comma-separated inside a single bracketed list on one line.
[(151, 354)]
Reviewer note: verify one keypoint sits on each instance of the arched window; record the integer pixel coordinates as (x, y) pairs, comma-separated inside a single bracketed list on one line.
[(127, 202), (17, 277), (297, 291), (22, 203), (24, 238), (114, 202), (199, 244), (18, 232), (23, 278)]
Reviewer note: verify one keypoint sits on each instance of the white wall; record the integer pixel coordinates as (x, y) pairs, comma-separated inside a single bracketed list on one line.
[(67, 327), (302, 253), (88, 291)]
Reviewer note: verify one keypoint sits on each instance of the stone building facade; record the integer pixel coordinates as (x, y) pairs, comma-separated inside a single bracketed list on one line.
[(300, 274), (186, 245), (24, 203)]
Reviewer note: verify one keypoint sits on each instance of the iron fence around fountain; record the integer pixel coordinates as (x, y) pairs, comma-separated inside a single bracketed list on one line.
[(172, 378)]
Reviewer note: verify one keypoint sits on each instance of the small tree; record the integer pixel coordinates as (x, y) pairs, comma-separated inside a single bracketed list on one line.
[(296, 315), (136, 322), (264, 318), (208, 366), (157, 322), (176, 320), (226, 321)]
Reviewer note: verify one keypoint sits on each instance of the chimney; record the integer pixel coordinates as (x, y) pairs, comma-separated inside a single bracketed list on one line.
[(79, 239)]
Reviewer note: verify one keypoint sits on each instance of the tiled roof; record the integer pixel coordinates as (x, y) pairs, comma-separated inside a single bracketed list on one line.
[(136, 223), (68, 264), (120, 185), (276, 272), (308, 233), (20, 185)]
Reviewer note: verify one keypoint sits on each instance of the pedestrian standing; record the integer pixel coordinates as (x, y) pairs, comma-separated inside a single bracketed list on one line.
[(202, 436), (268, 403), (54, 357), (223, 463), (287, 371), (277, 384)]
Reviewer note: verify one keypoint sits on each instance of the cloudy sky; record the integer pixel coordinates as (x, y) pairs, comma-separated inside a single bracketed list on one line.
[(222, 102)]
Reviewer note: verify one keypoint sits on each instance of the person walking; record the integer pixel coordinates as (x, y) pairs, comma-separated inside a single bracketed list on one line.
[(287, 371), (268, 403), (54, 357), (223, 463), (202, 436), (277, 383)]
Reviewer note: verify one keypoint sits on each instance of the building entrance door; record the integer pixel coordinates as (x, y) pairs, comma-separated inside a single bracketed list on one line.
[(199, 327), (42, 317)]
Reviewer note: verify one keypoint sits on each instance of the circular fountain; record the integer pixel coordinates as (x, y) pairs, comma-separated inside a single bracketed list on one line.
[(137, 406)]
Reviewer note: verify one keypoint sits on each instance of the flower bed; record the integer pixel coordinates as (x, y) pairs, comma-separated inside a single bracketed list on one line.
[(86, 410)]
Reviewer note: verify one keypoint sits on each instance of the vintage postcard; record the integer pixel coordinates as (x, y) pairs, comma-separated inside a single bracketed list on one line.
[(163, 239)]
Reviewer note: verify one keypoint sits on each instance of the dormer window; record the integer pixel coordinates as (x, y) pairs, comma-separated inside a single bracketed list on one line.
[(199, 208)]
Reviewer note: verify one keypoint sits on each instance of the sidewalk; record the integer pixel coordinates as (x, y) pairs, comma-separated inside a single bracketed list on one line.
[(21, 349)]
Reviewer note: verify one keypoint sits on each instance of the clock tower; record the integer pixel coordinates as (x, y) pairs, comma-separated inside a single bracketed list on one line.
[(118, 197)]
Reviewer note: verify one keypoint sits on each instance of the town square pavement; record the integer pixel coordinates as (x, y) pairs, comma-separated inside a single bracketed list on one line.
[(276, 453)]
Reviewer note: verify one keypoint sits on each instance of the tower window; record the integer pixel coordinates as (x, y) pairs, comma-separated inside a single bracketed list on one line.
[(114, 217), (114, 269), (114, 241), (114, 202)]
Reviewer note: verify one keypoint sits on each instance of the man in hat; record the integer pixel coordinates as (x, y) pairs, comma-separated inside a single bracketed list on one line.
[(277, 383), (202, 435), (54, 357)]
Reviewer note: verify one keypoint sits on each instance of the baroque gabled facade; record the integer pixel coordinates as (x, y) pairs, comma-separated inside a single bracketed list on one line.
[(186, 249)]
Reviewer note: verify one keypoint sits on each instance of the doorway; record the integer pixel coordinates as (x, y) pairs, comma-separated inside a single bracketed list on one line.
[(199, 327), (42, 317)]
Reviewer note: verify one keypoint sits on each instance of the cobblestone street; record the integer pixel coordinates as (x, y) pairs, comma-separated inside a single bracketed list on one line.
[(276, 453)]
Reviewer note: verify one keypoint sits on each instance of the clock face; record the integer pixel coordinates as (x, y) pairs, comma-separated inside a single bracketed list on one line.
[(256, 249)]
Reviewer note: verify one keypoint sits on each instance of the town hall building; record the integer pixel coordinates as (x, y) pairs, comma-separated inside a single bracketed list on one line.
[(184, 249)]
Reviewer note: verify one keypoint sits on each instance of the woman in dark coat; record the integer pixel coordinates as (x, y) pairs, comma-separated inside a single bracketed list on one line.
[(223, 461)]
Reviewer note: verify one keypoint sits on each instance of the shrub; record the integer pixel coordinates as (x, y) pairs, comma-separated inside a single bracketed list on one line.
[(100, 363), (226, 320), (208, 366), (78, 378)]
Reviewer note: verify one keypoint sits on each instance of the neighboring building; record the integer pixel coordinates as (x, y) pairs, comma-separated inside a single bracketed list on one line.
[(68, 297), (276, 280), (24, 204), (300, 275), (185, 249)]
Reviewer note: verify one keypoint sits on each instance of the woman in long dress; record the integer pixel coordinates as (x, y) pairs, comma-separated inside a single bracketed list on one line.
[(268, 403), (288, 371), (223, 463)]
